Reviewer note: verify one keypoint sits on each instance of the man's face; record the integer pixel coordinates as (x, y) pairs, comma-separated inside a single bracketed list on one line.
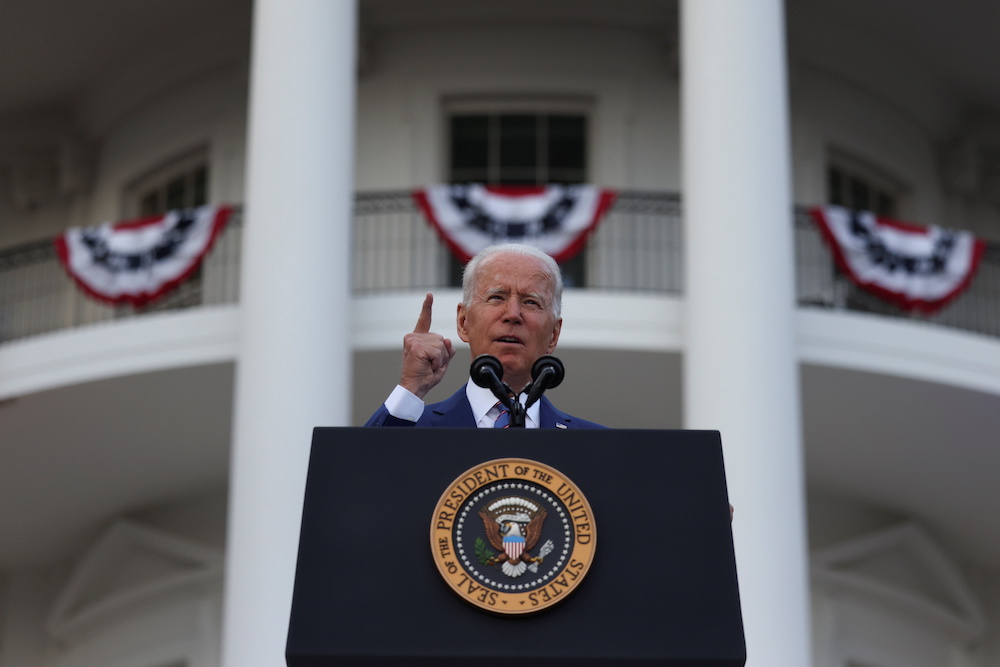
[(511, 315)]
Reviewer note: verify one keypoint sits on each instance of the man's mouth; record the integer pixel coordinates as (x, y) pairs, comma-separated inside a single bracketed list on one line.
[(509, 339)]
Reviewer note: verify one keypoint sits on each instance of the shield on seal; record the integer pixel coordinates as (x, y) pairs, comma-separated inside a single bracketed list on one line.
[(513, 546)]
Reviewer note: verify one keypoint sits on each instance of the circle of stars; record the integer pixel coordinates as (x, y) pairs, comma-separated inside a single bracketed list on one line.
[(510, 487)]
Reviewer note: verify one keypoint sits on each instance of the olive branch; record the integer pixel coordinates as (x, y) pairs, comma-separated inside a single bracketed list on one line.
[(483, 553)]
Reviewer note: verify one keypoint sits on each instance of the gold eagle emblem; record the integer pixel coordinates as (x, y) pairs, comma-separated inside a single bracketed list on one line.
[(513, 527)]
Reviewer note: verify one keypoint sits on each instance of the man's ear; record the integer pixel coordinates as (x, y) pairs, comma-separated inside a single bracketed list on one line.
[(463, 333), (556, 330)]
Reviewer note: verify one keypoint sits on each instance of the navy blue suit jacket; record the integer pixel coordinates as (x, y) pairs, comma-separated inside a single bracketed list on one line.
[(455, 412)]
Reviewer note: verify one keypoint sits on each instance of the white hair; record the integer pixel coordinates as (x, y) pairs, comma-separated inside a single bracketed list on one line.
[(551, 268)]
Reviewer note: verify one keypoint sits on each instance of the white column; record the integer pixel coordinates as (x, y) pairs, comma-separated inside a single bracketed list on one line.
[(740, 369), (294, 368)]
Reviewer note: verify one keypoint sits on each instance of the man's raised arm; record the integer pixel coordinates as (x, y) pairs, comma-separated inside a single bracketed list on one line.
[(426, 357)]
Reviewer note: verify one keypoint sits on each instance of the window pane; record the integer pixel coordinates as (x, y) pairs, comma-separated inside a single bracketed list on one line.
[(175, 193), (860, 195), (150, 205), (518, 176), (861, 187), (200, 195), (518, 141), (567, 144), (179, 183), (567, 176), (518, 148), (836, 184), (469, 144)]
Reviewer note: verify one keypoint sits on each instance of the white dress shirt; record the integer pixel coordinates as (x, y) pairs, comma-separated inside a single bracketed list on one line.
[(403, 404)]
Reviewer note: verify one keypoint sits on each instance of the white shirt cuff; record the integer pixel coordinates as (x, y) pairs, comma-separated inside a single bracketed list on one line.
[(404, 404)]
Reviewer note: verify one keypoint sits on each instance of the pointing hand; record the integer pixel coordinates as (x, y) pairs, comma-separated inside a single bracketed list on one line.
[(426, 355)]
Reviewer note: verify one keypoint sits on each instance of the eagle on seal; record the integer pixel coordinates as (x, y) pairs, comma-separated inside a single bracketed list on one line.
[(513, 527)]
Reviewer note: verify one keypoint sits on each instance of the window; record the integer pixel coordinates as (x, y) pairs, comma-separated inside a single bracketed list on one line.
[(518, 148), (179, 183), (857, 186), (519, 142)]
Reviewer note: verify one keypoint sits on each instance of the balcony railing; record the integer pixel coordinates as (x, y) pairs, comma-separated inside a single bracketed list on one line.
[(637, 248), (37, 296)]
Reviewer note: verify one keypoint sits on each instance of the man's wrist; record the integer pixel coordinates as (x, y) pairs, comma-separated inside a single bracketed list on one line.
[(404, 404)]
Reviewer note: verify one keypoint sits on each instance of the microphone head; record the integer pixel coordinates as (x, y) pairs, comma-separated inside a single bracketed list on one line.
[(481, 365), (548, 361)]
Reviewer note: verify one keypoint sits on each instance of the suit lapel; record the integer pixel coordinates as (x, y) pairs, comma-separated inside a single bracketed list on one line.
[(551, 417), (453, 412)]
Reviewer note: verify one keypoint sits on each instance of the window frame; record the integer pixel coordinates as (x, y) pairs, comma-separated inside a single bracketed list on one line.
[(158, 179), (575, 270), (879, 182), (496, 106)]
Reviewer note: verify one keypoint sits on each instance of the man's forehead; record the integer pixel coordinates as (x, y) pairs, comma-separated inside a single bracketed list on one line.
[(505, 288), (535, 282), (512, 269)]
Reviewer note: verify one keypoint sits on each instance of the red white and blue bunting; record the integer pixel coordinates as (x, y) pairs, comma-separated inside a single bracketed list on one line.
[(139, 261), (554, 218), (917, 268)]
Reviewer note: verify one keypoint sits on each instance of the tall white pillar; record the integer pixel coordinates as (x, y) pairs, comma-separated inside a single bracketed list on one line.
[(740, 368), (294, 368)]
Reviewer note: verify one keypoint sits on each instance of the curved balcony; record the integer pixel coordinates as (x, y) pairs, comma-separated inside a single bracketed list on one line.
[(638, 248), (166, 372)]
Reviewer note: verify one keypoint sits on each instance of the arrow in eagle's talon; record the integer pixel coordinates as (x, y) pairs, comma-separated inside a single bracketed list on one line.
[(542, 553)]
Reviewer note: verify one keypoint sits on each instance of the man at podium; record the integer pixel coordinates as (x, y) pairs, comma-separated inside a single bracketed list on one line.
[(510, 309)]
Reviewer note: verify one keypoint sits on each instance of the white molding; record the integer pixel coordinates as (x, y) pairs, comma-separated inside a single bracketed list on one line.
[(82, 605), (598, 320), (837, 569), (595, 320), (897, 347), (112, 349)]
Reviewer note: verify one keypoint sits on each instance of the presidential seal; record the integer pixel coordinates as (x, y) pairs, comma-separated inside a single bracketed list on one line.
[(513, 536)]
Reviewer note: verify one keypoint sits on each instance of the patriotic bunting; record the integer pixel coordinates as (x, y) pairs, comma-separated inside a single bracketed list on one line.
[(139, 261), (917, 268), (554, 218)]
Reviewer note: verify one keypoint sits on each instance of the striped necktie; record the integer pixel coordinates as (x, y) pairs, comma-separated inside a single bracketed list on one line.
[(503, 421)]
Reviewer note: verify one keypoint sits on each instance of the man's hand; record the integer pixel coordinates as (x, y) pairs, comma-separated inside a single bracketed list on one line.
[(426, 355)]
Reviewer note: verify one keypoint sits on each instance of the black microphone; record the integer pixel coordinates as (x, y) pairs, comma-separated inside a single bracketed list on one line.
[(550, 367), (547, 372), (487, 372)]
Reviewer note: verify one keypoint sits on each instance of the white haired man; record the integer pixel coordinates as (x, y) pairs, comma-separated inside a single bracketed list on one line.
[(511, 305)]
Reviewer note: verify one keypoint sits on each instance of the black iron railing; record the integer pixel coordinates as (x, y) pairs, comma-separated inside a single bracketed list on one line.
[(637, 248), (37, 296), (820, 284)]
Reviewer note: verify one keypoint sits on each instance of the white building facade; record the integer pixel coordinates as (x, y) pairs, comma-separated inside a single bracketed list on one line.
[(152, 463)]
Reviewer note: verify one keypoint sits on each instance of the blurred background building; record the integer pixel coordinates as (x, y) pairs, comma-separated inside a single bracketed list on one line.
[(136, 444)]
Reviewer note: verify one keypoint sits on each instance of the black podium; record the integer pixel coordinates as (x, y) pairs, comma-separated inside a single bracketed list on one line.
[(662, 587)]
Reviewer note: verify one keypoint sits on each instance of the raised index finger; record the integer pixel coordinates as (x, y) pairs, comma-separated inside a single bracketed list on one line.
[(424, 321)]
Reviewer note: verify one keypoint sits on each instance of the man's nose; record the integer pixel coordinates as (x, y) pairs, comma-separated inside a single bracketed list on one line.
[(513, 311)]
